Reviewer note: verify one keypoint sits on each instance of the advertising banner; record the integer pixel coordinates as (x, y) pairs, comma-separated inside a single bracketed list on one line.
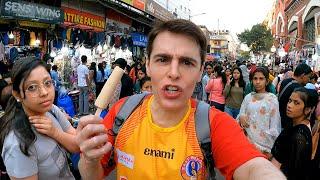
[(158, 11), (139, 4), (83, 20), (139, 39), (130, 2), (31, 11)]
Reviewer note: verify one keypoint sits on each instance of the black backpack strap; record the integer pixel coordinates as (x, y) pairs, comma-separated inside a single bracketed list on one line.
[(203, 134), (126, 110), (130, 104)]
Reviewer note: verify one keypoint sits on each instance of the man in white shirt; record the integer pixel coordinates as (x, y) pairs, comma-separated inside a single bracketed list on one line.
[(83, 83)]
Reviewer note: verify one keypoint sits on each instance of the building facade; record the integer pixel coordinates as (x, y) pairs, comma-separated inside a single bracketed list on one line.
[(179, 8), (223, 44), (296, 21)]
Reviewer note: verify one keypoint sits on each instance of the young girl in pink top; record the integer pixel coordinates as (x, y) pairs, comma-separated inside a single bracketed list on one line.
[(215, 87)]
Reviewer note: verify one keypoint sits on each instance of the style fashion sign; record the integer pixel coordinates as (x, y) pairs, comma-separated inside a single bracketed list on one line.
[(32, 11), (83, 20), (158, 11)]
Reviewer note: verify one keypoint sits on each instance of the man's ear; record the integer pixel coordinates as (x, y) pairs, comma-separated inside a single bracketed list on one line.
[(148, 66)]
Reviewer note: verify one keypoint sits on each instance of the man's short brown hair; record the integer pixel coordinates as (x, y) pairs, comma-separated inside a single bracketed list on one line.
[(179, 26)]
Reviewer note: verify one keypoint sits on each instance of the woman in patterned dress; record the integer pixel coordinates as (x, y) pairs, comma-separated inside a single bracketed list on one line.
[(259, 113)]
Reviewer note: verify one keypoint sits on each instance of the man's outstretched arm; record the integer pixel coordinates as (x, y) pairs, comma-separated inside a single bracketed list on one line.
[(258, 169)]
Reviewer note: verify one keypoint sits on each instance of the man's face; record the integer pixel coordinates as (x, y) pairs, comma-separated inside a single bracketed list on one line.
[(174, 67)]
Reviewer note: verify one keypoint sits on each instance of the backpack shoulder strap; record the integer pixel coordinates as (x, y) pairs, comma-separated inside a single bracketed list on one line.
[(130, 104), (127, 108), (202, 124)]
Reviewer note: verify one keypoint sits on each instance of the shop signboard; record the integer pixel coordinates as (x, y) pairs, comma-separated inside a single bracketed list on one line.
[(139, 39), (83, 20), (31, 11), (158, 11), (130, 2), (139, 4)]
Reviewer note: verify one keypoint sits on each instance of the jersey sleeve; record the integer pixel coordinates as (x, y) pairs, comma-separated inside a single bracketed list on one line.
[(230, 146), (108, 123)]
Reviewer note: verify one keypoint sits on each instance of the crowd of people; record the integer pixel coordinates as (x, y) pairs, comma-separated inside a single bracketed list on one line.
[(261, 124)]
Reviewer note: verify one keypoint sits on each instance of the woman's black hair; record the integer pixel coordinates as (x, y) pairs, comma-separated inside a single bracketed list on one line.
[(241, 82), (100, 68), (94, 69), (219, 70), (15, 118), (144, 80), (308, 96)]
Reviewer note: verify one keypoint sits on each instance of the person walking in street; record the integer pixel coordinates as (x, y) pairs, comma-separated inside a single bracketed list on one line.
[(34, 133), (57, 83), (100, 79), (160, 133), (234, 93), (292, 149), (215, 87), (301, 77), (259, 113), (83, 84)]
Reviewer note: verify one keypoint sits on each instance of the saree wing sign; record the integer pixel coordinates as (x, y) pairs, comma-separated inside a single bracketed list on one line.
[(31, 11), (83, 20)]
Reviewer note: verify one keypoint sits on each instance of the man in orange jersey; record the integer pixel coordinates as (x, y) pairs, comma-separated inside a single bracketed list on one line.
[(158, 140)]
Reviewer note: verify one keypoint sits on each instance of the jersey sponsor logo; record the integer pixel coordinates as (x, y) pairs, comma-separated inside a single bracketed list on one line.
[(192, 168), (159, 153), (125, 159)]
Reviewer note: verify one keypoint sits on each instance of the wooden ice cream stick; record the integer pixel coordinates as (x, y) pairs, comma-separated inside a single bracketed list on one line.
[(108, 90)]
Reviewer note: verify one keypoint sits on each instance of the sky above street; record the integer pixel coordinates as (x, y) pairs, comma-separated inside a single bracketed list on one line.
[(234, 15)]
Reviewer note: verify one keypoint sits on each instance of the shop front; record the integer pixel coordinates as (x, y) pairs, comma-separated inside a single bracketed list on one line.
[(24, 28)]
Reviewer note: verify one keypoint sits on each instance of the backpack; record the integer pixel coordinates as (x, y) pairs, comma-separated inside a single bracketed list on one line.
[(201, 124)]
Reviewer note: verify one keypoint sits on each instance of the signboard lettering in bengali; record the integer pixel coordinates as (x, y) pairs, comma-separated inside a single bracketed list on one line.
[(32, 11)]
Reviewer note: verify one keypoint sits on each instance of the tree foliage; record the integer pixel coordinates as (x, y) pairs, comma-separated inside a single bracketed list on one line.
[(258, 39)]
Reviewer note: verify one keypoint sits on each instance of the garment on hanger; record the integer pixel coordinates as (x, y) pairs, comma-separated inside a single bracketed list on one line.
[(22, 38), (32, 38), (69, 34), (117, 41), (2, 51), (6, 39)]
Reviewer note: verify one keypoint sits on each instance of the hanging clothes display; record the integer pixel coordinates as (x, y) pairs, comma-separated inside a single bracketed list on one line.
[(2, 51)]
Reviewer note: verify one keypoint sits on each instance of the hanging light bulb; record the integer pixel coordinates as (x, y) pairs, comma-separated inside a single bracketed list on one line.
[(53, 54), (11, 36), (37, 42)]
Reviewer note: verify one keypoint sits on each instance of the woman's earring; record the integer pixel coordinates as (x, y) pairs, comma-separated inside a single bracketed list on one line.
[(18, 100)]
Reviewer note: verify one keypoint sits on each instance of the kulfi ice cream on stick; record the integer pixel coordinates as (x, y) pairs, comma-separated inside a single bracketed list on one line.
[(108, 90)]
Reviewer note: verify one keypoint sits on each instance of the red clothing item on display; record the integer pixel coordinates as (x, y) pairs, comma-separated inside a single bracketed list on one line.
[(139, 140)]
